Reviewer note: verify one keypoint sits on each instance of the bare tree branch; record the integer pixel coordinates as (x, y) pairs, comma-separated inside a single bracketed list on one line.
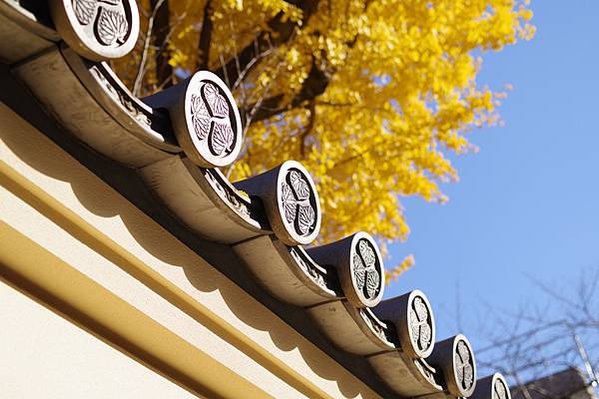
[(533, 345)]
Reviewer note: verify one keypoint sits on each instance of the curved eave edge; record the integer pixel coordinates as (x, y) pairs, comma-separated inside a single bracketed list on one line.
[(151, 128)]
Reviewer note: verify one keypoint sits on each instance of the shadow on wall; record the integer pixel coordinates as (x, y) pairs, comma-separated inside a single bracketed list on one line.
[(200, 274)]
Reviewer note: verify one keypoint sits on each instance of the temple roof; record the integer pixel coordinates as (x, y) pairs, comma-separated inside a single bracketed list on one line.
[(164, 153)]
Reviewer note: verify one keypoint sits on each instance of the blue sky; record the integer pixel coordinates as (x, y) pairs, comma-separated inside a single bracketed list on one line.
[(527, 205)]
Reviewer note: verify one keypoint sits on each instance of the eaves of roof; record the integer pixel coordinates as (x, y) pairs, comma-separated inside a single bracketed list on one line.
[(173, 143)]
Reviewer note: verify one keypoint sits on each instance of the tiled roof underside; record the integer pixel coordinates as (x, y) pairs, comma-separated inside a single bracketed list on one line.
[(148, 151)]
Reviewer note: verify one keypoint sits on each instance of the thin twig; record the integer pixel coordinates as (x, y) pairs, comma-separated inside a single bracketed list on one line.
[(144, 55)]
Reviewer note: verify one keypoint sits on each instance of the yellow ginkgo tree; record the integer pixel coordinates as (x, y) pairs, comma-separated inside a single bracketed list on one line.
[(370, 95)]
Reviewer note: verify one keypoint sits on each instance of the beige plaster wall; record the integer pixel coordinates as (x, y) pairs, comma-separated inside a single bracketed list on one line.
[(81, 248), (45, 356)]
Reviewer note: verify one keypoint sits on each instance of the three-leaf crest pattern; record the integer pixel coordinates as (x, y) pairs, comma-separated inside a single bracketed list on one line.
[(211, 121), (111, 25), (295, 195), (368, 278), (499, 390), (419, 323), (85, 10), (464, 368)]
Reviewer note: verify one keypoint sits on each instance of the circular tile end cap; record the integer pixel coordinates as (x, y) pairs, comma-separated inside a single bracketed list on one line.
[(211, 135), (298, 216), (463, 380), (366, 272), (419, 331), (97, 30), (500, 388)]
